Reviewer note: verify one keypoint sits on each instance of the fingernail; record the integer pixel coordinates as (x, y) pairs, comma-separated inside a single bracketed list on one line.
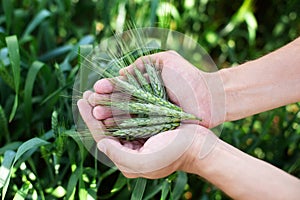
[(101, 146)]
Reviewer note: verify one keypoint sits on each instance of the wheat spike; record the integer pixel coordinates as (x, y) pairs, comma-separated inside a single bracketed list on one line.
[(142, 132), (131, 79), (135, 122), (142, 80), (149, 109), (143, 95), (156, 81)]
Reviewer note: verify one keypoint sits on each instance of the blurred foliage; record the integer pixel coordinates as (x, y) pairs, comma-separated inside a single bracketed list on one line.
[(39, 42)]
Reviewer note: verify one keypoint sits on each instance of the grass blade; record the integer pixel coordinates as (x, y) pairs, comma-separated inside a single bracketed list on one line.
[(72, 184), (84, 50), (5, 167), (165, 190), (119, 184), (31, 76), (139, 189), (43, 14), (30, 144), (8, 10), (6, 77), (3, 124), (22, 193), (5, 170), (181, 181), (14, 57)]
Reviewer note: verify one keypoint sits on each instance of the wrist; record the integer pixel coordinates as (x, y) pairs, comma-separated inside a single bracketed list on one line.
[(198, 157), (216, 98)]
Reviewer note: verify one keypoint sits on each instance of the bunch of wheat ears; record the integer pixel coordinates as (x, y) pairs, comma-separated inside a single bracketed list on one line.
[(140, 105)]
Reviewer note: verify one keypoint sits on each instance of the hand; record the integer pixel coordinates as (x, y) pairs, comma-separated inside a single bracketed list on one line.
[(168, 151), (197, 92), (160, 155)]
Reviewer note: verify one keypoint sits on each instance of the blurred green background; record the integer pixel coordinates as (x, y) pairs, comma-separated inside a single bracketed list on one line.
[(39, 42)]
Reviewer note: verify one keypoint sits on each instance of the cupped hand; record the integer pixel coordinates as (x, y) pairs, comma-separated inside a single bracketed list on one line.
[(159, 156), (195, 91), (169, 151)]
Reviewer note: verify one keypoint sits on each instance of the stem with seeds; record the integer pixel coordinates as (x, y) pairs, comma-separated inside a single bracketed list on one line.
[(143, 95)]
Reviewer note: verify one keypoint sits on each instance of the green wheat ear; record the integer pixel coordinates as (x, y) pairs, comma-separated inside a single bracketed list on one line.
[(148, 100)]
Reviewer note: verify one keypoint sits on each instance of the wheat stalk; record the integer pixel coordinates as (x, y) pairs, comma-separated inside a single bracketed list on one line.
[(141, 132), (155, 81), (131, 79), (154, 120), (143, 95), (142, 80), (148, 109), (147, 99)]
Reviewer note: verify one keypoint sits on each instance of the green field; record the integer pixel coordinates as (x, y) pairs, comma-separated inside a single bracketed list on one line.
[(39, 44)]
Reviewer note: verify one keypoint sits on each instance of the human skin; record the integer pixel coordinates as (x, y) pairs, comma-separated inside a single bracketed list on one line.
[(256, 86)]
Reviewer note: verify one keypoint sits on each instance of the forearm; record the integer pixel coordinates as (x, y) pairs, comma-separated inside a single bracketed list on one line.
[(244, 177), (263, 84)]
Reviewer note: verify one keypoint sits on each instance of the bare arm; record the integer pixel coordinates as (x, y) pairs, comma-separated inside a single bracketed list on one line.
[(263, 84), (244, 177)]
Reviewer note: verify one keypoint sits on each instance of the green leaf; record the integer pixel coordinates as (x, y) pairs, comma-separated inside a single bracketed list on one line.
[(119, 184), (31, 76), (71, 188), (22, 193), (30, 144), (84, 50), (56, 52), (43, 14), (10, 146), (3, 124), (252, 26), (8, 10), (14, 57), (5, 171), (6, 165), (139, 189), (14, 108), (165, 190), (181, 181), (6, 76), (152, 191)]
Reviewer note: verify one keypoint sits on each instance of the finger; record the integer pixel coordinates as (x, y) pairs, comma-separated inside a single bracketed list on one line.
[(157, 153), (95, 99), (95, 127), (101, 112), (139, 63), (156, 59), (103, 86), (87, 94), (109, 122)]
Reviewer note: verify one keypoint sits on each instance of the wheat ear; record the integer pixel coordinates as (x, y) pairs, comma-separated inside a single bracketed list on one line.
[(142, 80), (142, 132), (149, 109), (156, 81), (143, 95), (155, 120)]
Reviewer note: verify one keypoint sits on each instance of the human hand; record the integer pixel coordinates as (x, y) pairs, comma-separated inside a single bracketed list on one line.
[(159, 156), (168, 151), (195, 91)]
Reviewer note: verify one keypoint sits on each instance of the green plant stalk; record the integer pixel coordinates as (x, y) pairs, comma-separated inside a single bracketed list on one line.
[(149, 109), (156, 81), (143, 95), (143, 132), (142, 80), (155, 120)]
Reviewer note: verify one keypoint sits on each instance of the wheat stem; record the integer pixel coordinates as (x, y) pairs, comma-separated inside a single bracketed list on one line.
[(143, 95), (142, 132), (134, 122)]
